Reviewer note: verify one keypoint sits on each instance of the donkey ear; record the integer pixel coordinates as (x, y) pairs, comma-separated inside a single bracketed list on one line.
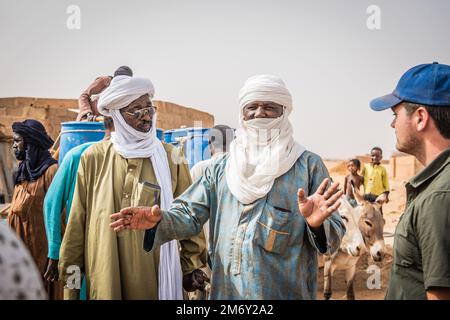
[(345, 205), (358, 196)]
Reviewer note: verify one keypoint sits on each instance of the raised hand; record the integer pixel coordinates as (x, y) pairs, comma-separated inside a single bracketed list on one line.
[(141, 218), (319, 206)]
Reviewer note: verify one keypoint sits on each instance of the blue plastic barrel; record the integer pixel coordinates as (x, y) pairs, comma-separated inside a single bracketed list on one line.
[(74, 133), (160, 134), (197, 148), (193, 141), (173, 136)]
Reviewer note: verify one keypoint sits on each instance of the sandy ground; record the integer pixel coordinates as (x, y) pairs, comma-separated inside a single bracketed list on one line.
[(360, 283), (392, 212)]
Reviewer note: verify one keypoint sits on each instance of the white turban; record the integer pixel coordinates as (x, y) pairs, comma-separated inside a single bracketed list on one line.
[(122, 91), (265, 88), (131, 143), (264, 148)]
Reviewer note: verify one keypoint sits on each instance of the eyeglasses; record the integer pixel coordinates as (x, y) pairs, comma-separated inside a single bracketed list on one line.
[(142, 112)]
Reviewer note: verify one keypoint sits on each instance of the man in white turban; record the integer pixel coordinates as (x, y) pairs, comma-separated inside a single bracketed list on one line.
[(269, 203), (132, 169)]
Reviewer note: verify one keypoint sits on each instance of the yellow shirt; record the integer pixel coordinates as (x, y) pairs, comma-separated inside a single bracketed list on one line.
[(375, 179)]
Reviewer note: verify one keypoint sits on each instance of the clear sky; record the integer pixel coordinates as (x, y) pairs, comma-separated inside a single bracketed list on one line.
[(200, 52)]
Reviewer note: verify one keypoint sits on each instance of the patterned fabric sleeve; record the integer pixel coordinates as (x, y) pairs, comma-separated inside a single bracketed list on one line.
[(19, 277)]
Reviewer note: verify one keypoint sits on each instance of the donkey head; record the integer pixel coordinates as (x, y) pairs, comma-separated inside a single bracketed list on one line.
[(371, 224), (352, 242)]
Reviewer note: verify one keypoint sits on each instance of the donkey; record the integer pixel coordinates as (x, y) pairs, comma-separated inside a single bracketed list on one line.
[(369, 223), (349, 252)]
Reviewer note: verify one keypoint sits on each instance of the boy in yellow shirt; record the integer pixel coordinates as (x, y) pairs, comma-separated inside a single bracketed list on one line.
[(376, 182)]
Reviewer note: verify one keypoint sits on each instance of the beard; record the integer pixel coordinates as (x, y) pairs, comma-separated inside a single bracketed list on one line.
[(144, 126), (19, 154), (411, 145)]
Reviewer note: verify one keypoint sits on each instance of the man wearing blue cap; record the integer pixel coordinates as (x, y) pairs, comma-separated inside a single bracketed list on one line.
[(421, 106)]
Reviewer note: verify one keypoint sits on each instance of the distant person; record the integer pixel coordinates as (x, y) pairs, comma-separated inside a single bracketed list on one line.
[(87, 102), (36, 171), (19, 277), (353, 178), (219, 140), (421, 106), (376, 183)]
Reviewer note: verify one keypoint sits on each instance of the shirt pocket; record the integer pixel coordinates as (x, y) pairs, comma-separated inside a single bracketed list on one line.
[(145, 195), (406, 252), (272, 230), (22, 204)]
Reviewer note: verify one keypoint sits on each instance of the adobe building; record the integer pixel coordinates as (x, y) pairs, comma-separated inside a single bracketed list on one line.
[(404, 166), (51, 112)]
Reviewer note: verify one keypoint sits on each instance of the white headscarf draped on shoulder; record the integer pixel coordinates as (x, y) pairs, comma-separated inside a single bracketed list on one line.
[(131, 143), (264, 148)]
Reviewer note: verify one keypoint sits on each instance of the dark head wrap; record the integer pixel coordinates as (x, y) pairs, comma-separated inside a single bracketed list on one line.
[(123, 71), (36, 143)]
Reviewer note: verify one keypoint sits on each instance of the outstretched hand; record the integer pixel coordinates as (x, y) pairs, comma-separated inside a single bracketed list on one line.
[(140, 218), (319, 206)]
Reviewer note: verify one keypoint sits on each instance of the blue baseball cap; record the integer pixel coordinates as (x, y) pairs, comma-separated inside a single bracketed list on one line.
[(426, 84)]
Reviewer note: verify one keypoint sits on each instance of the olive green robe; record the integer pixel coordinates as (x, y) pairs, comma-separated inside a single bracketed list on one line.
[(115, 264)]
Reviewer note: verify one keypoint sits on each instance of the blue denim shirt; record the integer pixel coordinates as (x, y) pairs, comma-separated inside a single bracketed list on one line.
[(264, 250)]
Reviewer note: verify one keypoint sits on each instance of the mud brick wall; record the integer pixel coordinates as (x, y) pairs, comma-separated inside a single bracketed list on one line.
[(51, 112), (404, 167), (173, 116)]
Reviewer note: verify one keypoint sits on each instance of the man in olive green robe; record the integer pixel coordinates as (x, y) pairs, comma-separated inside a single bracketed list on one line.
[(113, 175)]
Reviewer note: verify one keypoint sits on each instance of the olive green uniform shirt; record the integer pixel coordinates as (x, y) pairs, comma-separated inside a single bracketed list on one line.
[(422, 236)]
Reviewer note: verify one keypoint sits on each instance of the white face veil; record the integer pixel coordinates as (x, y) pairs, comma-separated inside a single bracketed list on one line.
[(264, 149)]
